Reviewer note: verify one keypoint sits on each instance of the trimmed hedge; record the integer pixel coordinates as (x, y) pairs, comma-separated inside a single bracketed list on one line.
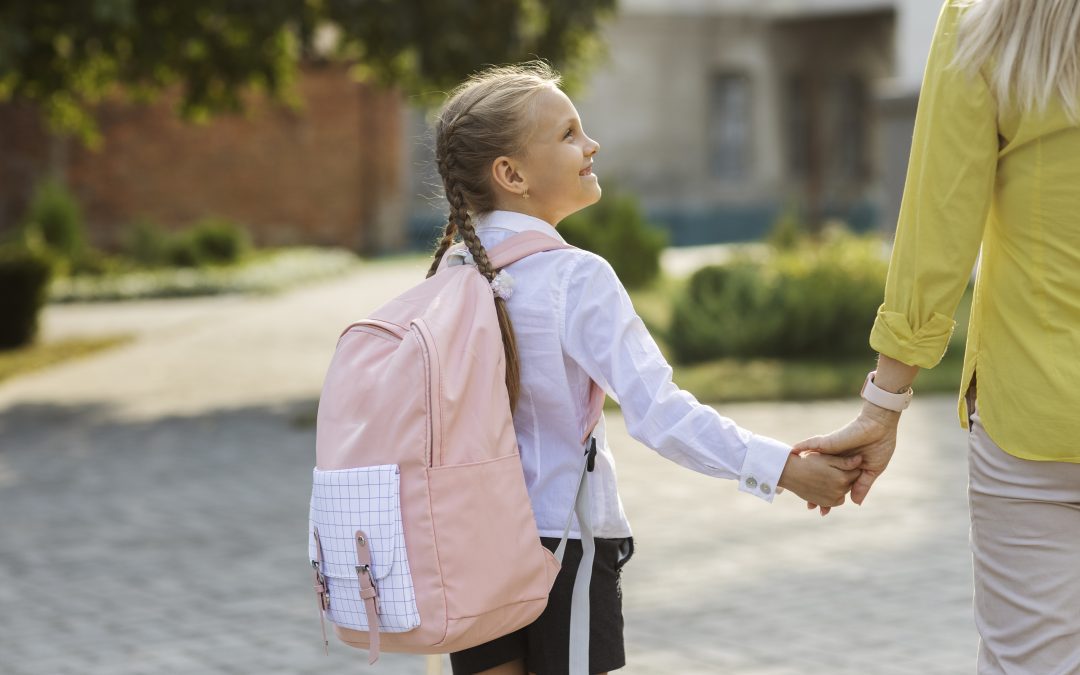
[(615, 229), (810, 301), (24, 276)]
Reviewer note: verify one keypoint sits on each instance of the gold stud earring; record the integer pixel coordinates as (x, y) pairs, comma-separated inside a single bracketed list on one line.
[(525, 194)]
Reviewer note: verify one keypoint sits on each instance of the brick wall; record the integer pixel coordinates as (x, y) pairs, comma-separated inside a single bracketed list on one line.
[(24, 156), (329, 173)]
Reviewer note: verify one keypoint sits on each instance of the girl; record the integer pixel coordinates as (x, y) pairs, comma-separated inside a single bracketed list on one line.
[(513, 157), (995, 164)]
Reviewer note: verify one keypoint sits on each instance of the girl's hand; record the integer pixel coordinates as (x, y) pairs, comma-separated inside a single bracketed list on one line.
[(871, 435), (820, 479)]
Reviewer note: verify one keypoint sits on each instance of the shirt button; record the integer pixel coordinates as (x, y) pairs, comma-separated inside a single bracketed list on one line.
[(765, 488), (751, 482)]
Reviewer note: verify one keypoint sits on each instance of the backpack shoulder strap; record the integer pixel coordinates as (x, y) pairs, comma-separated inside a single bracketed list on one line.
[(522, 245)]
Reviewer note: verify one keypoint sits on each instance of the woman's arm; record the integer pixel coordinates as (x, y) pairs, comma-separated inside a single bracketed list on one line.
[(947, 198)]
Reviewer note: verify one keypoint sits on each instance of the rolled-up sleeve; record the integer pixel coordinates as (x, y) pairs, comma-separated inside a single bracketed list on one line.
[(603, 334), (946, 202)]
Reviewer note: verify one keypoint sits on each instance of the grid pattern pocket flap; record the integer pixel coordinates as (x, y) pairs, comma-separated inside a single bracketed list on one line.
[(347, 500)]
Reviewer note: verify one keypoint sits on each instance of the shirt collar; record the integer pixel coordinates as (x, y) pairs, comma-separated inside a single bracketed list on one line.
[(513, 221)]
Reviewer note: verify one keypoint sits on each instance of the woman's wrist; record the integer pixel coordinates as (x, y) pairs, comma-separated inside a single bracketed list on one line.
[(881, 415), (894, 376)]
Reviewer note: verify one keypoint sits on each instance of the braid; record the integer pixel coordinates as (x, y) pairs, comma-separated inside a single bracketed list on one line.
[(479, 253), (444, 243), (513, 367), (483, 264), (458, 209)]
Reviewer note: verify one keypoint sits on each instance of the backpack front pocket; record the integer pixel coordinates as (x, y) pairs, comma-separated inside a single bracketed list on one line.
[(343, 503)]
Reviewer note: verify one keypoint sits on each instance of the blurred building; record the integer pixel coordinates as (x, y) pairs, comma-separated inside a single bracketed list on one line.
[(721, 114), (331, 172)]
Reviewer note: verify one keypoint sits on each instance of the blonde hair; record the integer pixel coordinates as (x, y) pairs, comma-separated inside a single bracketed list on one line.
[(487, 116), (1030, 48)]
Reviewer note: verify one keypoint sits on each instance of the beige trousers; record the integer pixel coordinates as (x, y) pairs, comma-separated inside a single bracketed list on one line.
[(1025, 544)]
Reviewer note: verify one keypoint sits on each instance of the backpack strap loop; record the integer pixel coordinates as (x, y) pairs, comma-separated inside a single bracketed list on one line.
[(369, 593), (322, 591), (579, 601)]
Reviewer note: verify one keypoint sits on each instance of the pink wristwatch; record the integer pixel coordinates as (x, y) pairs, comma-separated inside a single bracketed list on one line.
[(879, 397)]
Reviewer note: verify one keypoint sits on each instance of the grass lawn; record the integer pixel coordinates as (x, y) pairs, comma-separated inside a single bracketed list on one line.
[(37, 356), (785, 379)]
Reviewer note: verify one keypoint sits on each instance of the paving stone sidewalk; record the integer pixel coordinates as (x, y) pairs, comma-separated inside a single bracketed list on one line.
[(153, 503)]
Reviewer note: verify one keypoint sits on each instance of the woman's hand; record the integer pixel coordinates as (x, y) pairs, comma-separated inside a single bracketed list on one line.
[(820, 479), (871, 435)]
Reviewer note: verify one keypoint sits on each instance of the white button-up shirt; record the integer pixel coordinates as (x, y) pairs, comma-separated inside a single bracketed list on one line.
[(574, 322)]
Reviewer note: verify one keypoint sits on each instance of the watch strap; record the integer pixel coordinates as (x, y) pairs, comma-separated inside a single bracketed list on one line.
[(884, 399)]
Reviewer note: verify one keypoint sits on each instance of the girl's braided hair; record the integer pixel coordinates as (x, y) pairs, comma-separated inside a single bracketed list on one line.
[(487, 116)]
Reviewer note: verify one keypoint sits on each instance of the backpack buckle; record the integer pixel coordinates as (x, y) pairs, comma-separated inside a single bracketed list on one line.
[(372, 592), (320, 586), (590, 452)]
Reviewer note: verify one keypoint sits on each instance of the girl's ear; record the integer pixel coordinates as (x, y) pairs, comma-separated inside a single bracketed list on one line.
[(504, 171)]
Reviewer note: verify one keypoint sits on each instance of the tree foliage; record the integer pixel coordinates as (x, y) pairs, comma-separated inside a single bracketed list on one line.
[(66, 55)]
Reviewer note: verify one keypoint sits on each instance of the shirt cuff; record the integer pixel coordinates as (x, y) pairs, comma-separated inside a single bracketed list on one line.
[(765, 461), (894, 337)]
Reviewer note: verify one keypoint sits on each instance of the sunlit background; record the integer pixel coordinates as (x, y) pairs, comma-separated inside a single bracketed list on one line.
[(196, 197)]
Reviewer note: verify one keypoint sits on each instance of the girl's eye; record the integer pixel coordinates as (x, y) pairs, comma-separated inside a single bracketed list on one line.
[(568, 134)]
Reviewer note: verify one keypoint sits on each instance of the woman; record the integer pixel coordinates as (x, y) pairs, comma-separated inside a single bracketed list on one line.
[(995, 166)]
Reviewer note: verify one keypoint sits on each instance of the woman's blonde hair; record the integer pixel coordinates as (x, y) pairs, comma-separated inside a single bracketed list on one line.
[(1030, 48), (487, 116)]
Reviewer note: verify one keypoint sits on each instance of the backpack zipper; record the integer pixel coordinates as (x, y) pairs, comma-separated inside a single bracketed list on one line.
[(431, 365), (377, 328)]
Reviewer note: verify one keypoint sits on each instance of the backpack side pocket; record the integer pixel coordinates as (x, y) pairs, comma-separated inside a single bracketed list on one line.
[(365, 499)]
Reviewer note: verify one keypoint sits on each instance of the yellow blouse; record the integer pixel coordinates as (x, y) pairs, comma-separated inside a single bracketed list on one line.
[(984, 174)]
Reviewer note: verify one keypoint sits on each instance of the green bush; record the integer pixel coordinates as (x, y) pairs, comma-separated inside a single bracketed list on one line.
[(219, 241), (24, 276), (182, 251), (788, 231), (615, 229), (94, 263), (209, 241), (55, 218), (814, 300), (146, 243)]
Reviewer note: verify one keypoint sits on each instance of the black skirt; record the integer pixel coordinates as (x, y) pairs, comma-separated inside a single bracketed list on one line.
[(545, 644)]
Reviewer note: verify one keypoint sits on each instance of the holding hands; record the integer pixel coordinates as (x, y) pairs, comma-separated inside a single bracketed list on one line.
[(819, 478), (857, 453), (871, 437)]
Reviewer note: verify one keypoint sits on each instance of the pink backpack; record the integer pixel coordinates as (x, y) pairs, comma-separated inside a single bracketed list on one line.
[(421, 536)]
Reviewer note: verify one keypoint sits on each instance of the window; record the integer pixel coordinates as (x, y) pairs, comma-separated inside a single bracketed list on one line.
[(849, 95), (729, 126)]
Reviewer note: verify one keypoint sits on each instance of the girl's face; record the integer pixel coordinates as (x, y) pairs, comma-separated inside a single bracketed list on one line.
[(556, 165)]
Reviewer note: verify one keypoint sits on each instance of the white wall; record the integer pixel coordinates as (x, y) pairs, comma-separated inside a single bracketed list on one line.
[(915, 20), (647, 105), (915, 23)]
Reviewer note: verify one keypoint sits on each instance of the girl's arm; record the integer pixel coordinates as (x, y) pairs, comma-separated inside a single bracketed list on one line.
[(603, 334)]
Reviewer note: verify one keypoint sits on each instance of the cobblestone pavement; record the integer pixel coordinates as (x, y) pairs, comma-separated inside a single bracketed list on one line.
[(153, 502)]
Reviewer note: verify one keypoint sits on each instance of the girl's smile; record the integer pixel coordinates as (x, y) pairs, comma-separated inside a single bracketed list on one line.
[(557, 149)]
